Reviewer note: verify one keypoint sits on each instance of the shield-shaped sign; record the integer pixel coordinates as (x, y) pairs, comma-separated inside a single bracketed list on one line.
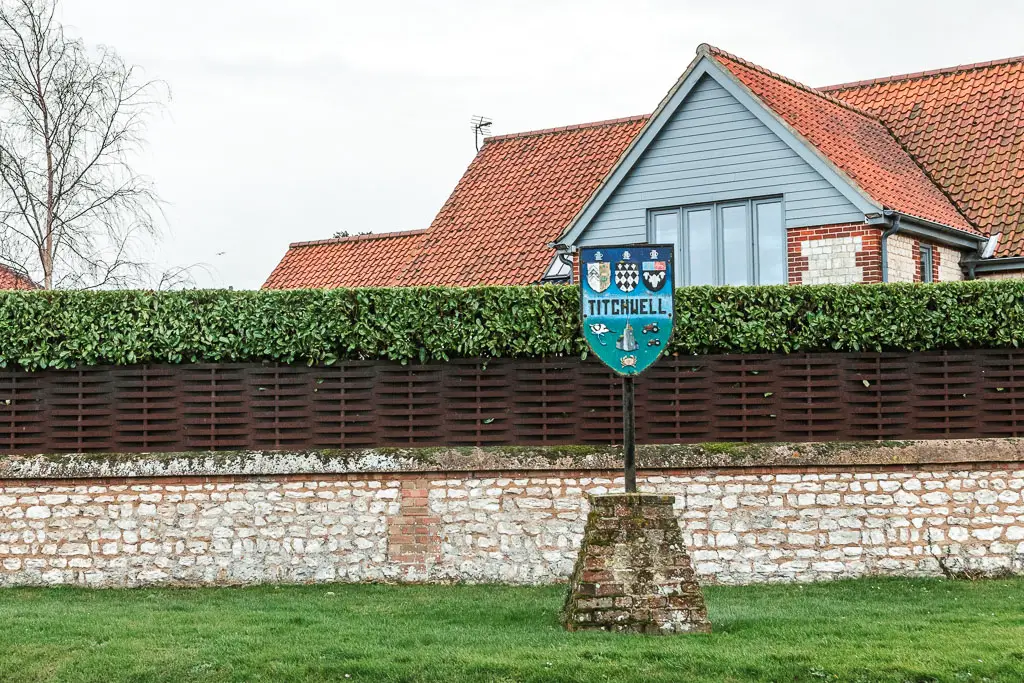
[(599, 276), (627, 326)]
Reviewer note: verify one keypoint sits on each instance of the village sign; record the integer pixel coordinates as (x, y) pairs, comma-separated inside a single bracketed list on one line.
[(626, 299)]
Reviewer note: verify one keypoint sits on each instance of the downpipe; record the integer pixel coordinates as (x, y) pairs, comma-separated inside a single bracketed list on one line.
[(893, 228)]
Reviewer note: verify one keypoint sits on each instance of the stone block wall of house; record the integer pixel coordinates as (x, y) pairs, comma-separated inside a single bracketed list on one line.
[(947, 264), (904, 259), (741, 524)]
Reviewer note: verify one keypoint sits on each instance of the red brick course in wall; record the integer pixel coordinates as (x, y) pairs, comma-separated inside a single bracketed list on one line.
[(414, 534), (869, 258)]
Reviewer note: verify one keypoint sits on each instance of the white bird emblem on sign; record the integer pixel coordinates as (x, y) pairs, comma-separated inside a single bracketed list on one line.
[(599, 330)]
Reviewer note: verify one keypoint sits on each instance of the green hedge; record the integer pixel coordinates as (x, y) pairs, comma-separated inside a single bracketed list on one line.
[(65, 329)]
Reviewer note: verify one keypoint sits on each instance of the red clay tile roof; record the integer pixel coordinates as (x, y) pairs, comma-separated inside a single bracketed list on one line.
[(965, 126), (853, 140), (945, 146), (360, 261), (515, 198), (10, 279)]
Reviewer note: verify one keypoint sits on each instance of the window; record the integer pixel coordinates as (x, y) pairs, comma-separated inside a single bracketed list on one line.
[(729, 243), (926, 263)]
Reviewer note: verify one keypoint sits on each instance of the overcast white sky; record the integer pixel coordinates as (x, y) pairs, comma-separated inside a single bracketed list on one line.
[(292, 120)]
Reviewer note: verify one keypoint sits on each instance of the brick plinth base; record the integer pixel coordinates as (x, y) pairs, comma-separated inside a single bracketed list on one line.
[(633, 573)]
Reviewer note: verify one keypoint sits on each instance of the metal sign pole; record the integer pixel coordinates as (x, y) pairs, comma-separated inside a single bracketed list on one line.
[(629, 433)]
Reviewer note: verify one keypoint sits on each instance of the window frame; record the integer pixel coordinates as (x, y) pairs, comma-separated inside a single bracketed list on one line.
[(715, 209), (927, 275)]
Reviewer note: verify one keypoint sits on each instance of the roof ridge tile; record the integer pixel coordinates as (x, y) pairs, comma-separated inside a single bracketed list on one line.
[(920, 75), (358, 238), (718, 52), (564, 129)]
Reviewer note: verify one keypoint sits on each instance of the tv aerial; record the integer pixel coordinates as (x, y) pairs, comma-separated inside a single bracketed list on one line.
[(481, 126)]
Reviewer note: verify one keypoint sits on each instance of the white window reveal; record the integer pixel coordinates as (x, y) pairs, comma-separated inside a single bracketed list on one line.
[(729, 243)]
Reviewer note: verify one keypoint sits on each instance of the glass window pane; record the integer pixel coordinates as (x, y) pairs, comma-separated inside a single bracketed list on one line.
[(666, 228), (700, 262), (771, 244), (926, 264), (735, 245), (666, 231)]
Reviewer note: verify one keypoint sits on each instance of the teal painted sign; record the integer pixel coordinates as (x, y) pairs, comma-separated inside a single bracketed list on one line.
[(627, 295)]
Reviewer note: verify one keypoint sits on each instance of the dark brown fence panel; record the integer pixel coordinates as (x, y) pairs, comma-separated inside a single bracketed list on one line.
[(811, 403), (79, 410), (147, 408), (279, 402), (676, 395), (877, 388), (215, 407), (946, 388), (553, 401), (475, 402), (544, 400), (22, 412), (744, 398), (343, 411), (408, 405), (1001, 393)]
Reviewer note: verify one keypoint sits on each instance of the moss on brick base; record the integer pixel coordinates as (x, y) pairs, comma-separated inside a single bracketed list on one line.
[(633, 573)]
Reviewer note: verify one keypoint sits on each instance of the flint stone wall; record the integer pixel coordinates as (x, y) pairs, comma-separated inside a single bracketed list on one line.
[(741, 524)]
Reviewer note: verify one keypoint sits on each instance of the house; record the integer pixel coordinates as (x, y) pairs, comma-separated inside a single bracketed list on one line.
[(754, 177), (12, 279)]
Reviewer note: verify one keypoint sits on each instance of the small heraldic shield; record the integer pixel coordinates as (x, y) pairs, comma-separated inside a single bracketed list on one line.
[(599, 276), (627, 326), (627, 275)]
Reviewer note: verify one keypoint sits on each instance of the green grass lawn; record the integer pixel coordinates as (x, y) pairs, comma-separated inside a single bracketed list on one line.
[(867, 630)]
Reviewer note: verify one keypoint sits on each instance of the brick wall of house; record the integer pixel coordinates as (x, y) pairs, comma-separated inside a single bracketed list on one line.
[(742, 525), (847, 254), (834, 254)]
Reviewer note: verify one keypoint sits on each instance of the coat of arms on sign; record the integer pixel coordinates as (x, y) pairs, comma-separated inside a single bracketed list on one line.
[(627, 276), (599, 276)]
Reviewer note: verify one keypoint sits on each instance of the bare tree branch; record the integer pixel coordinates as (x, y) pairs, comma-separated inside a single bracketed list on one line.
[(72, 208)]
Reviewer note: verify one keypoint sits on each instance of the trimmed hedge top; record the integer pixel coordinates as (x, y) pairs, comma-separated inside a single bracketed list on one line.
[(67, 329)]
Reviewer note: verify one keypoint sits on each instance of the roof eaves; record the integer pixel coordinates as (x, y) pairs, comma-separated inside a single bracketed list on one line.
[(941, 232), (996, 265)]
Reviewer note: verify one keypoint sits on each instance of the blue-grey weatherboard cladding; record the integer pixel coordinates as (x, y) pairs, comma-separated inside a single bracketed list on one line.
[(714, 149)]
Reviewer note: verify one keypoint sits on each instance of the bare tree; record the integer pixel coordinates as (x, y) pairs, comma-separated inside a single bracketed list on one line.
[(72, 209)]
